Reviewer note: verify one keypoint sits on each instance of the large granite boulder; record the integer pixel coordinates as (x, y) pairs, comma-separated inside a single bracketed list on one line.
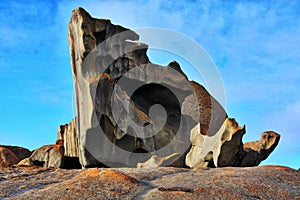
[(130, 110)]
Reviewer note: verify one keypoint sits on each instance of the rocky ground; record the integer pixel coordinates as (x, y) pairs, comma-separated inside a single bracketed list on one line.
[(266, 182)]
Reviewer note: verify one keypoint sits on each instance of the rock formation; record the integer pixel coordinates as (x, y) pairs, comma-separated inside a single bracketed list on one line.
[(225, 148), (67, 135), (63, 154), (259, 150), (20, 152), (11, 155), (8, 158), (46, 156), (130, 110), (117, 88)]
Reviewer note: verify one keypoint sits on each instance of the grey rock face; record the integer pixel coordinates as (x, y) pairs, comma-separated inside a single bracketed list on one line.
[(84, 34)]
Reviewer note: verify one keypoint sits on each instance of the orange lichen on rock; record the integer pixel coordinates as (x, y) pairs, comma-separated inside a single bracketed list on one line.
[(91, 172), (111, 174), (233, 124), (117, 176)]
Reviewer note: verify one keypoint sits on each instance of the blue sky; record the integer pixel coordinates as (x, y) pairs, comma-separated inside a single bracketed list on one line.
[(255, 45)]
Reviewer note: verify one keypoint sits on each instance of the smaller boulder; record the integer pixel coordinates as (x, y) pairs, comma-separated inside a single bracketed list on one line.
[(20, 152), (47, 156), (7, 157), (258, 151)]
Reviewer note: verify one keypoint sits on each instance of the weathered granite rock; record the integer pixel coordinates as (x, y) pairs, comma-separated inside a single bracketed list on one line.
[(117, 90), (226, 148), (11, 155), (67, 135), (63, 154), (20, 152), (259, 150), (46, 156), (212, 114), (266, 182), (223, 149), (7, 157)]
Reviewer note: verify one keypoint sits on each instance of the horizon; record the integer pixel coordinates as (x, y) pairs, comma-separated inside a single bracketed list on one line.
[(254, 45)]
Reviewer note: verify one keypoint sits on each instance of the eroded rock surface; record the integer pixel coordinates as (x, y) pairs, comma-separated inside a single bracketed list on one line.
[(20, 152), (11, 155), (46, 156), (266, 182), (223, 149), (67, 136), (259, 150), (117, 88), (7, 157)]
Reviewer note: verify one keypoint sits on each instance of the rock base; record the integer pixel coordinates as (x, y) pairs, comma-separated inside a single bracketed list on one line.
[(266, 182)]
